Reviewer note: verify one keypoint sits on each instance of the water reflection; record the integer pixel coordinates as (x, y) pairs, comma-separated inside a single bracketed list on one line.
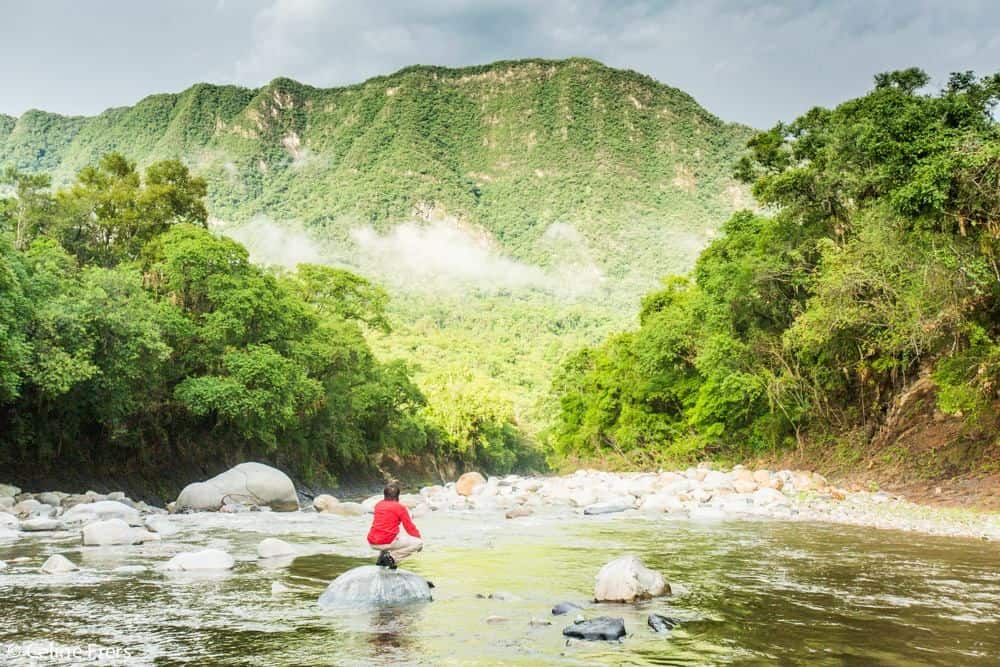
[(392, 631)]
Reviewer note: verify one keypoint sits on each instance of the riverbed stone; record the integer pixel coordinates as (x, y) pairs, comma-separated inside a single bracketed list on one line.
[(9, 521), (111, 532), (30, 507), (324, 502), (53, 498), (371, 585), (602, 628), (58, 564), (204, 560), (565, 608), (609, 507), (272, 547), (161, 525), (626, 579), (248, 483), (519, 512), (744, 485), (767, 496), (370, 502), (661, 623), (469, 483), (41, 525), (346, 509), (9, 490), (102, 510)]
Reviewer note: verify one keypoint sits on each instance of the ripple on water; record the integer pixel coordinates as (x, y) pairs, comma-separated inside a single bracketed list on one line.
[(751, 591)]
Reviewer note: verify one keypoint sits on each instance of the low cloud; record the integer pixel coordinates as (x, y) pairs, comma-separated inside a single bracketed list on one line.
[(272, 244), (442, 256)]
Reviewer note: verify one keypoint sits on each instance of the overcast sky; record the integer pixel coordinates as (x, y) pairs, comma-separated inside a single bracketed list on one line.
[(753, 62)]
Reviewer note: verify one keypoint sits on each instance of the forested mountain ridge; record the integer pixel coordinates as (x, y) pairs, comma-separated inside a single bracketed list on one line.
[(509, 149)]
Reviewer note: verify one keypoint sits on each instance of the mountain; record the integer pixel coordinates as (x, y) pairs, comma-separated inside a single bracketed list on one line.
[(519, 207), (511, 148)]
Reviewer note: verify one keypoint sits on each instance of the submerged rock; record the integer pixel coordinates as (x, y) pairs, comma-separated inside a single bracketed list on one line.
[(58, 564), (661, 623), (248, 483), (272, 547), (371, 585), (601, 628), (626, 579), (208, 559), (564, 608)]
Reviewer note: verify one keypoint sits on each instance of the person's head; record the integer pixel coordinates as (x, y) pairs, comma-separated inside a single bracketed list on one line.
[(391, 491)]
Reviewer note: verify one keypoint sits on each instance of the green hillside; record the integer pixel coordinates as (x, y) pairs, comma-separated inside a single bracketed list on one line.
[(581, 184), (512, 147)]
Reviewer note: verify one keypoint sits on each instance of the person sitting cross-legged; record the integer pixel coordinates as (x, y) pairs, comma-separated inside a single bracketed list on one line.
[(385, 536)]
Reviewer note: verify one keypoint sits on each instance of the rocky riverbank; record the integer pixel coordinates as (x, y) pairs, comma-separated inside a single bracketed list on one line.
[(698, 494)]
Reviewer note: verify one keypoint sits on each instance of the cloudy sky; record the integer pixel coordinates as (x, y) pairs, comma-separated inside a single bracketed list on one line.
[(750, 61)]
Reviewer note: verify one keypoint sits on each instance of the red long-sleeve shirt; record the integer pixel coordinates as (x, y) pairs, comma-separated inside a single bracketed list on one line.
[(385, 526)]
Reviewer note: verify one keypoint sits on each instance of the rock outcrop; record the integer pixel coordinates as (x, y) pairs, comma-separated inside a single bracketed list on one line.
[(251, 484)]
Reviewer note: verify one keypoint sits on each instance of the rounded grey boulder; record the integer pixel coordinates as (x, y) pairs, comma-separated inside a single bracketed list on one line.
[(248, 483), (371, 585)]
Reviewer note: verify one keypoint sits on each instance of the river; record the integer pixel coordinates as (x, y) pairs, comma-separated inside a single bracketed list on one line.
[(755, 591)]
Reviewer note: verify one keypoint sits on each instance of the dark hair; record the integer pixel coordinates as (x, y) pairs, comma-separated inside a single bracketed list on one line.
[(391, 491)]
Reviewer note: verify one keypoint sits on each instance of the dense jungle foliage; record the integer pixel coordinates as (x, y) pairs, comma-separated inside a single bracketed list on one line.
[(132, 335), (549, 162), (876, 263)]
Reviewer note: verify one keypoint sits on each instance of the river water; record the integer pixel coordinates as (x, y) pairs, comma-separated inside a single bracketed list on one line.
[(745, 592)]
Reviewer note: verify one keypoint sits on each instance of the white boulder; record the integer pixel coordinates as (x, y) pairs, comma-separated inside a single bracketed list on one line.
[(272, 547), (114, 532), (346, 509), (626, 579), (161, 525), (40, 524), (323, 502), (766, 497), (205, 560), (248, 483), (370, 502), (102, 510), (9, 491), (58, 564)]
